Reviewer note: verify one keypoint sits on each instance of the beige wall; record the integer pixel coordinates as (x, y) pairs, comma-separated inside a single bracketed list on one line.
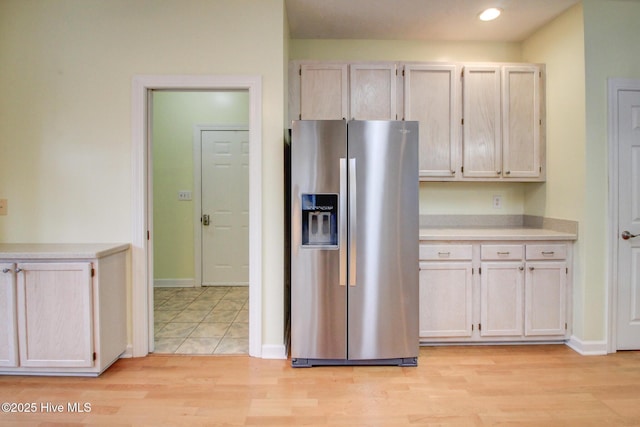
[(65, 111), (611, 50), (560, 45)]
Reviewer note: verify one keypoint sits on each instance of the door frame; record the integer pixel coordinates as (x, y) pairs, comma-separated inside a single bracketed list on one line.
[(141, 200), (614, 85), (197, 190)]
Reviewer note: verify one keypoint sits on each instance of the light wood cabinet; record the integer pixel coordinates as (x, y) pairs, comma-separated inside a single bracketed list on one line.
[(505, 291), (545, 298), (341, 91), (445, 299), (481, 126), (8, 319), (501, 299), (477, 122), (446, 291), (431, 94), (502, 122), (54, 308), (521, 123), (372, 91), (62, 313), (323, 91)]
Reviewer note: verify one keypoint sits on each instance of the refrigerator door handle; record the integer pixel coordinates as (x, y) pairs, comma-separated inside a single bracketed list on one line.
[(342, 223), (353, 215)]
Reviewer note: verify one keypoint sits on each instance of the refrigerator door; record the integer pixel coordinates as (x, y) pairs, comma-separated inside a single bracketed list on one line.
[(318, 240), (383, 279)]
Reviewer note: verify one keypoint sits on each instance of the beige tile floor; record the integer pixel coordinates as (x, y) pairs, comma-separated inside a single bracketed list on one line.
[(207, 320)]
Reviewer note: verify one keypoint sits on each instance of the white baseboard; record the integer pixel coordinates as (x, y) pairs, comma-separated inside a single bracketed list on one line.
[(274, 352), (174, 283), (588, 348), (128, 352)]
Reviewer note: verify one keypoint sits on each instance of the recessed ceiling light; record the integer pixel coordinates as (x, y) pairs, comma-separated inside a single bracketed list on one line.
[(490, 14)]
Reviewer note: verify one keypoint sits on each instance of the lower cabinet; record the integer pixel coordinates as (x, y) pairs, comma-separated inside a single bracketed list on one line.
[(494, 292), (8, 318), (63, 317), (54, 314)]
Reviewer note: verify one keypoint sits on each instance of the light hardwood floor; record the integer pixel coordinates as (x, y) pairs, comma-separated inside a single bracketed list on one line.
[(463, 386)]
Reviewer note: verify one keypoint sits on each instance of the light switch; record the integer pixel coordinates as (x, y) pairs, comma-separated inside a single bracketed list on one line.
[(3, 206), (184, 195)]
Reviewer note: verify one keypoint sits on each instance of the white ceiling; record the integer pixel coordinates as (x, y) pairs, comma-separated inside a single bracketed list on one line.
[(454, 20)]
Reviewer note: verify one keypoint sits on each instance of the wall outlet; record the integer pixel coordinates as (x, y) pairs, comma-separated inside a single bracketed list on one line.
[(184, 195), (497, 202), (3, 206)]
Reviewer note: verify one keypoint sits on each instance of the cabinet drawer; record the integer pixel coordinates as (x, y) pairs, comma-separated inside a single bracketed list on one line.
[(445, 252), (501, 252), (540, 252)]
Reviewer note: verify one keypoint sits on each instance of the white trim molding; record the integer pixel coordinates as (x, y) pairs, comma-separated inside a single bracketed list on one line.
[(141, 248), (588, 348), (272, 351), (174, 283)]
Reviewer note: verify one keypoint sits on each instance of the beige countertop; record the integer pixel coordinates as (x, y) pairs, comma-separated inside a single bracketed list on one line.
[(29, 251), (492, 233)]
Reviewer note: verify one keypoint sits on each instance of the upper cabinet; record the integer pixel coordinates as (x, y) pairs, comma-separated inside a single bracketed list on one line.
[(323, 91), (478, 122), (501, 122), (431, 94), (521, 122), (481, 124), (332, 91), (372, 91)]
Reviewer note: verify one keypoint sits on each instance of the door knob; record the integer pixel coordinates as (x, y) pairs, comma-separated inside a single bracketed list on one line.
[(626, 235), (206, 220)]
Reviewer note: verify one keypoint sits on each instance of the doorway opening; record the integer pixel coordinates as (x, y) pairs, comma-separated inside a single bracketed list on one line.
[(142, 265), (200, 182)]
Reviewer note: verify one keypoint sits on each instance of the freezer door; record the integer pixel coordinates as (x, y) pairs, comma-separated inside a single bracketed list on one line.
[(318, 240), (383, 233)]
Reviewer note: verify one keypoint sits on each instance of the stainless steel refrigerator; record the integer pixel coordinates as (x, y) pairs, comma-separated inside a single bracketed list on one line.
[(354, 243)]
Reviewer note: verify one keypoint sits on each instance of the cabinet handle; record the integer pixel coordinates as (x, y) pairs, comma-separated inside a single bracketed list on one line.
[(548, 253), (507, 173), (521, 268), (18, 270), (498, 172), (6, 270), (531, 268), (453, 172), (504, 253), (444, 253)]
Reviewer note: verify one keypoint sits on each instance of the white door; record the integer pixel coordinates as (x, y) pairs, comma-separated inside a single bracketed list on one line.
[(225, 207), (628, 311)]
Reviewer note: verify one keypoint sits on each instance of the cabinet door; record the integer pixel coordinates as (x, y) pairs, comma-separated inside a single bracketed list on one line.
[(501, 303), (482, 134), (545, 298), (8, 328), (55, 314), (323, 92), (431, 97), (521, 121), (445, 299), (372, 91)]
